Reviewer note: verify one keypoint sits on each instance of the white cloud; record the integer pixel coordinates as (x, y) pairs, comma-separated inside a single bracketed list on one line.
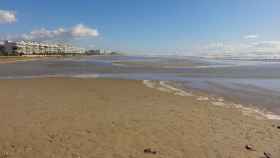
[(83, 31), (240, 49), (77, 31), (267, 46), (221, 48), (255, 36), (7, 16)]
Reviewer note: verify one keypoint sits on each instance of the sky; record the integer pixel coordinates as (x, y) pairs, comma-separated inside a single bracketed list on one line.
[(148, 26)]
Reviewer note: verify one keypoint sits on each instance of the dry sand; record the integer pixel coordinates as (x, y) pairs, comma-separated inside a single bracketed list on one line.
[(94, 118)]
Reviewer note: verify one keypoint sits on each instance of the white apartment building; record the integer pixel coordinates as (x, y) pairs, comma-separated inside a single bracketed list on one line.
[(35, 48)]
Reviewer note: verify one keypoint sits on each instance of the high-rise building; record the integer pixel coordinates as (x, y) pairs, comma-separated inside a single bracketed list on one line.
[(35, 48)]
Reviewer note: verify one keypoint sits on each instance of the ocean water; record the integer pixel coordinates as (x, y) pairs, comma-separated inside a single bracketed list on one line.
[(249, 82)]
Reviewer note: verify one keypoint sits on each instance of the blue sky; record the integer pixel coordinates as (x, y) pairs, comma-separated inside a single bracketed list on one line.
[(152, 26)]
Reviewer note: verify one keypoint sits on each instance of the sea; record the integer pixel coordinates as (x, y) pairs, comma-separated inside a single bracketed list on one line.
[(249, 82)]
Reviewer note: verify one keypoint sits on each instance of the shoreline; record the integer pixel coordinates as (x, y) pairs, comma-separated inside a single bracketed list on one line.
[(15, 59), (171, 87), (80, 117), (176, 89), (26, 58)]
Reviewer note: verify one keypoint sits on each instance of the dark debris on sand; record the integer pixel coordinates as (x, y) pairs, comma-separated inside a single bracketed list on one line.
[(150, 151), (249, 147), (267, 155)]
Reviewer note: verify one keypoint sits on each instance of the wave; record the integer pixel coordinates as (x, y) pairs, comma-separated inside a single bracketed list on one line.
[(165, 86)]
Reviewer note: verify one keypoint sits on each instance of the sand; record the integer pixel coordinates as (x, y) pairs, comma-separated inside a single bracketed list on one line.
[(14, 59), (95, 118)]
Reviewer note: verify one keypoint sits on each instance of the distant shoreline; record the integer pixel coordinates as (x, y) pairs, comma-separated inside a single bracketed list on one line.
[(14, 59), (24, 58)]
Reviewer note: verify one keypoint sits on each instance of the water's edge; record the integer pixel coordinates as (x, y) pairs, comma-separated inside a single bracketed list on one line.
[(173, 88)]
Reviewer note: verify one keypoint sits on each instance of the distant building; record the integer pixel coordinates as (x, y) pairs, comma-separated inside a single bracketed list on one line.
[(93, 52), (2, 51), (35, 48), (101, 52)]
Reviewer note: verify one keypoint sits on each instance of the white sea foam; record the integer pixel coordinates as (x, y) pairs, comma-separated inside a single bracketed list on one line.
[(272, 116), (85, 76), (257, 112), (149, 83), (218, 103), (175, 90), (165, 87), (201, 98), (220, 99), (252, 111)]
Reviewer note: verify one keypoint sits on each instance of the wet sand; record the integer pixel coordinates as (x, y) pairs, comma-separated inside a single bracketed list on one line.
[(93, 118)]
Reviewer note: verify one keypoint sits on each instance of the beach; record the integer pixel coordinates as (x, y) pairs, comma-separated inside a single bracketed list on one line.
[(93, 118), (14, 59)]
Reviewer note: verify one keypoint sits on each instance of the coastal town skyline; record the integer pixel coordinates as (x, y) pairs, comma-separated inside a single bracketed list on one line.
[(158, 27)]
